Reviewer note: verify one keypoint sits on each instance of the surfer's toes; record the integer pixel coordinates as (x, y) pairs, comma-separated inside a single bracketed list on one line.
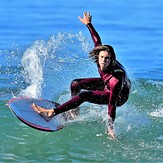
[(46, 114), (34, 106)]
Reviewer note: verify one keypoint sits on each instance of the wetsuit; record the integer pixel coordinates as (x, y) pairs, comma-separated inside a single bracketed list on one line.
[(112, 88)]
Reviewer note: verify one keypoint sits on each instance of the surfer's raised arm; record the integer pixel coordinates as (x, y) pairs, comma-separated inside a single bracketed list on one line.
[(87, 18)]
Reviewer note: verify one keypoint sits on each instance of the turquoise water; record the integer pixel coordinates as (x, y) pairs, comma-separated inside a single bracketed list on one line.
[(44, 47)]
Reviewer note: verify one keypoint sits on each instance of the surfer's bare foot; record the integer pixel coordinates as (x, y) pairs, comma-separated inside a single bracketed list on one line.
[(46, 114)]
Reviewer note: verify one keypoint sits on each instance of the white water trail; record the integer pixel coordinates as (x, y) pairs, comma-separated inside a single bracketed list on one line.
[(43, 62), (33, 69)]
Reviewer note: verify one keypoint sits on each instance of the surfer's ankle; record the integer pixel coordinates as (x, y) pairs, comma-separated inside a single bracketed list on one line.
[(51, 113)]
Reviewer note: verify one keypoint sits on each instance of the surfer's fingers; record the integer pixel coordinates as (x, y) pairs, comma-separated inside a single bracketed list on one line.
[(80, 18), (85, 14)]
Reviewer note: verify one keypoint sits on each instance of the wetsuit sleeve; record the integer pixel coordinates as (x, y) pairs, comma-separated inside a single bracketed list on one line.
[(115, 88), (95, 36)]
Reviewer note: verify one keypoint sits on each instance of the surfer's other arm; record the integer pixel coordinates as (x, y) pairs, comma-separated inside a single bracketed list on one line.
[(87, 20)]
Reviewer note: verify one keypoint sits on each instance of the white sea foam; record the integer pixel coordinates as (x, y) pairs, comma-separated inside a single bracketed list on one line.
[(32, 70), (157, 113), (46, 64)]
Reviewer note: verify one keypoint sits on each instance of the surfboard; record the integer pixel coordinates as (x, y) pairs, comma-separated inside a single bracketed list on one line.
[(22, 109)]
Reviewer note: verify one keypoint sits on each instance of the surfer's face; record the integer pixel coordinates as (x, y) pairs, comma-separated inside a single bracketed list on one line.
[(104, 59)]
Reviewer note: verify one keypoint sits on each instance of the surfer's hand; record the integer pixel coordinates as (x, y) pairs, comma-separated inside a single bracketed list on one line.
[(110, 130), (111, 133), (86, 18)]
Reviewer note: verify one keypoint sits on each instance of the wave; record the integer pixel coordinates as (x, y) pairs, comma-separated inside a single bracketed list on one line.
[(46, 69), (49, 65)]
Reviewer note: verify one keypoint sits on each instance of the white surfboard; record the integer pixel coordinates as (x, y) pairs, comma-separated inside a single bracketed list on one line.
[(22, 108)]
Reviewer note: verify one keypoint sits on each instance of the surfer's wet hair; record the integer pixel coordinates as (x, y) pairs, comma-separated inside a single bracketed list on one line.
[(95, 53)]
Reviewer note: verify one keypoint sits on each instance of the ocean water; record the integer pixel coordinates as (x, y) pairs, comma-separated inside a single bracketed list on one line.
[(43, 47)]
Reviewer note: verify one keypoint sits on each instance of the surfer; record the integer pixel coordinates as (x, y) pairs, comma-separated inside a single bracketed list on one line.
[(112, 88)]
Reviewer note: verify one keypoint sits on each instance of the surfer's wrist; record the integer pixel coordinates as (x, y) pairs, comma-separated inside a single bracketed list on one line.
[(110, 123), (88, 24)]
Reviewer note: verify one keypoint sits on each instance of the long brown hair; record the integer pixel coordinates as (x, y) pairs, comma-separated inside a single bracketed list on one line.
[(95, 53)]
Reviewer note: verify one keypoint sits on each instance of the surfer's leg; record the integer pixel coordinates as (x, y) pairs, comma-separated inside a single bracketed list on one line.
[(87, 84), (83, 84), (46, 114), (97, 97), (69, 105)]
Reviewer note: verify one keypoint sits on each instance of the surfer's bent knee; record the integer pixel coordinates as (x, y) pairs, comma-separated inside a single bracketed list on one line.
[(75, 82), (75, 86)]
